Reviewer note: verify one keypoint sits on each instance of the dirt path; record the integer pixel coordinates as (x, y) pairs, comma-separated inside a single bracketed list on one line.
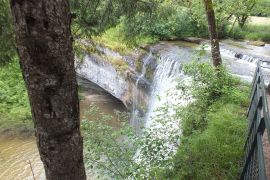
[(266, 148)]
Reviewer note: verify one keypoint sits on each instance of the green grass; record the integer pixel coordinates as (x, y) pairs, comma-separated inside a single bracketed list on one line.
[(252, 32), (256, 29), (15, 112), (114, 39)]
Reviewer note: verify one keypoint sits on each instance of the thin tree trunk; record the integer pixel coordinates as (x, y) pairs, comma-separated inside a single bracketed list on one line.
[(213, 35), (44, 44)]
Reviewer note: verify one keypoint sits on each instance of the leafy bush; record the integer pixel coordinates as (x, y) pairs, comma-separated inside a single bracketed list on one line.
[(14, 104), (185, 26)]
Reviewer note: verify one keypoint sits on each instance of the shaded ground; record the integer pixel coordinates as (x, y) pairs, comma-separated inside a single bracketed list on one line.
[(266, 148)]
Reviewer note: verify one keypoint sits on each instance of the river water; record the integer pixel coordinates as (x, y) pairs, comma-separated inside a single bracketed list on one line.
[(16, 153)]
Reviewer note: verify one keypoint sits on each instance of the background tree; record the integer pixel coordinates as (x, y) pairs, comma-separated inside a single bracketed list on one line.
[(44, 43), (95, 16), (7, 43), (242, 11), (213, 33), (262, 8)]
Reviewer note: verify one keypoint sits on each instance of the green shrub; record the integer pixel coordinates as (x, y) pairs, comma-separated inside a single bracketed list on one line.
[(14, 104)]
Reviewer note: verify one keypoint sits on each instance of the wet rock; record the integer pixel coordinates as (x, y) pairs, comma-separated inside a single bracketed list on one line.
[(143, 83), (256, 43), (238, 55)]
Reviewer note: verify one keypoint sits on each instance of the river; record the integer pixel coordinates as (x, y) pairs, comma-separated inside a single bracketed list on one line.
[(17, 153)]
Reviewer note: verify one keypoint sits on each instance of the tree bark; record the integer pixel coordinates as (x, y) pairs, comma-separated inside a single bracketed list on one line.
[(44, 44), (213, 35)]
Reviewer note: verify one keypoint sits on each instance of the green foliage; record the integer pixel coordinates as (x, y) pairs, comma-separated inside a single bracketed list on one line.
[(262, 8), (242, 11), (207, 83), (214, 127), (14, 104), (141, 22), (217, 152), (207, 87), (93, 17), (168, 20), (186, 26), (7, 41)]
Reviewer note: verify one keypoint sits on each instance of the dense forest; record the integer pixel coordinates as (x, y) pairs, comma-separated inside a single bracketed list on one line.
[(112, 89)]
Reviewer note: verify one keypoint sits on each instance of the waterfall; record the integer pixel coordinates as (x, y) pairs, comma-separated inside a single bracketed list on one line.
[(164, 89), (135, 120), (245, 57), (161, 121), (251, 56)]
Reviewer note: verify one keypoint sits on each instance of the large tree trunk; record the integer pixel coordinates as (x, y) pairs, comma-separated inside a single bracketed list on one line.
[(44, 43), (213, 35)]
